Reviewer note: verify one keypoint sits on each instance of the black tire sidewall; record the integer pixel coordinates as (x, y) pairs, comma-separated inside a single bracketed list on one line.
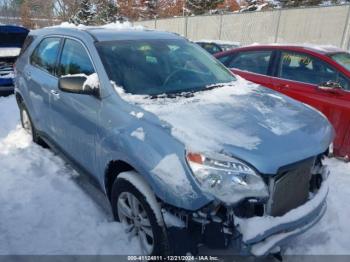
[(159, 232), (21, 109), (36, 139)]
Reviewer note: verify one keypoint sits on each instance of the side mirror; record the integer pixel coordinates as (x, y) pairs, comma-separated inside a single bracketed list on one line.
[(330, 86), (78, 84)]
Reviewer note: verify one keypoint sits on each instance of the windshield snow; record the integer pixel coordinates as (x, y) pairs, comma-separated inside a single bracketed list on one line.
[(154, 67)]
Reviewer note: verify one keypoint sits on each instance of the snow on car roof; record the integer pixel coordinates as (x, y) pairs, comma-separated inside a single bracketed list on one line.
[(117, 31), (220, 42), (324, 49)]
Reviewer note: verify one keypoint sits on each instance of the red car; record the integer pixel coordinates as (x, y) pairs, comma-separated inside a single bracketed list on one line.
[(317, 76)]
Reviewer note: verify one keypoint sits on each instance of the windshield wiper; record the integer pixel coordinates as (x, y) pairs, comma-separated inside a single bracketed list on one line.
[(186, 94), (189, 93), (213, 86)]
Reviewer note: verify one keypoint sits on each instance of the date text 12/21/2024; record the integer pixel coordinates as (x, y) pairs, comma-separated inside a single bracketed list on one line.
[(173, 258)]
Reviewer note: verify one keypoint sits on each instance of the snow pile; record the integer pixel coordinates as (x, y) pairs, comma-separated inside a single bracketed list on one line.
[(43, 210), (9, 51), (9, 116), (332, 234)]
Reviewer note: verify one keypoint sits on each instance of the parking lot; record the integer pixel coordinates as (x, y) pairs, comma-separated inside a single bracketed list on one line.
[(214, 128), (45, 211)]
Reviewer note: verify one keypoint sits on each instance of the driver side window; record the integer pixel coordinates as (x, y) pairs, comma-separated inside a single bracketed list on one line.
[(252, 61), (74, 60)]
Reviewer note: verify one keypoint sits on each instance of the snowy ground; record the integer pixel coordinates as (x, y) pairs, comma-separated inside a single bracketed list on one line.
[(44, 211)]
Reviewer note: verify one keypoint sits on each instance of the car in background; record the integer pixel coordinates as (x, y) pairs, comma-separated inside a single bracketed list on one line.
[(11, 41), (315, 75), (217, 46), (186, 153)]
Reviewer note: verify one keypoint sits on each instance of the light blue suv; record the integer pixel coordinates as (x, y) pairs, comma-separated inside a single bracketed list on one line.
[(187, 153)]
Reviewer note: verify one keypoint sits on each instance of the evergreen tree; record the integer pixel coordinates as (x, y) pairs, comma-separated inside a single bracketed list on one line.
[(199, 7), (150, 9), (107, 12), (85, 14)]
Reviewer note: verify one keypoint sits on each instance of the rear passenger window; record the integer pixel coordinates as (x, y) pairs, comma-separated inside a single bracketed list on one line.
[(252, 61), (74, 60), (304, 68), (45, 54)]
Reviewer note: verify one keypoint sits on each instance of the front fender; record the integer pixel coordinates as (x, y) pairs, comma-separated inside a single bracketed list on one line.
[(159, 158)]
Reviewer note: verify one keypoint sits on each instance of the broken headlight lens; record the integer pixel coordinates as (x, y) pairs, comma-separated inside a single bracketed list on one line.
[(226, 178)]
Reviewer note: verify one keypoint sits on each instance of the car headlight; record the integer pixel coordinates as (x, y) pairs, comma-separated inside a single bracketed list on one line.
[(226, 178)]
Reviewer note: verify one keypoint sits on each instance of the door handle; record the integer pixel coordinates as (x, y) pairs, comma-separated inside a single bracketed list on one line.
[(28, 75), (55, 94)]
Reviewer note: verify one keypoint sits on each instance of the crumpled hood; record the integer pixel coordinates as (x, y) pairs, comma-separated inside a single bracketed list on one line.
[(247, 121)]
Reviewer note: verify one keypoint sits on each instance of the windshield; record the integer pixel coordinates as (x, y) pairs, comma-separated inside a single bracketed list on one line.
[(154, 67), (343, 59)]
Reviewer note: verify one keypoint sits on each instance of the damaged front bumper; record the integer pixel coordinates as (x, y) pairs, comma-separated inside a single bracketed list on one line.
[(260, 235), (240, 233)]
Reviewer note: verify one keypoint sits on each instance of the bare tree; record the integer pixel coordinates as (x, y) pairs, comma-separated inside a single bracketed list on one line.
[(64, 9), (26, 16)]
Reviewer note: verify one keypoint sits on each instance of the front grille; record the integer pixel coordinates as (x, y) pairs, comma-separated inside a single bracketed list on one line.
[(6, 68), (290, 187)]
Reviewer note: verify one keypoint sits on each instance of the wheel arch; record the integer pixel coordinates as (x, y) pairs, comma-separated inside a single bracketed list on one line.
[(113, 170), (19, 98), (140, 183)]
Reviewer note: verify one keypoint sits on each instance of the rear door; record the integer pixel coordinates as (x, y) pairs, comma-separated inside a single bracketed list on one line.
[(301, 76), (253, 65), (40, 78), (75, 116)]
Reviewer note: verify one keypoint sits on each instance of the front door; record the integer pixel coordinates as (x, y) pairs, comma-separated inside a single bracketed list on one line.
[(75, 116), (302, 77)]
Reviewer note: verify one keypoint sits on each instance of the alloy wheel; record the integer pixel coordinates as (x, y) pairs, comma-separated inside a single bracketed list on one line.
[(133, 214)]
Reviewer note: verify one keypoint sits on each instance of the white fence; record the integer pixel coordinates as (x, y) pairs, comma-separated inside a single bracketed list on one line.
[(38, 22), (316, 25)]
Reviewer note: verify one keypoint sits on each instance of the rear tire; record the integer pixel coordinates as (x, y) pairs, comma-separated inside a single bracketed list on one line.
[(131, 208), (28, 126)]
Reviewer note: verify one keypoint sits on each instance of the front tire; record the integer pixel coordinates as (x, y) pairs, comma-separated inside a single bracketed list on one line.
[(132, 208)]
